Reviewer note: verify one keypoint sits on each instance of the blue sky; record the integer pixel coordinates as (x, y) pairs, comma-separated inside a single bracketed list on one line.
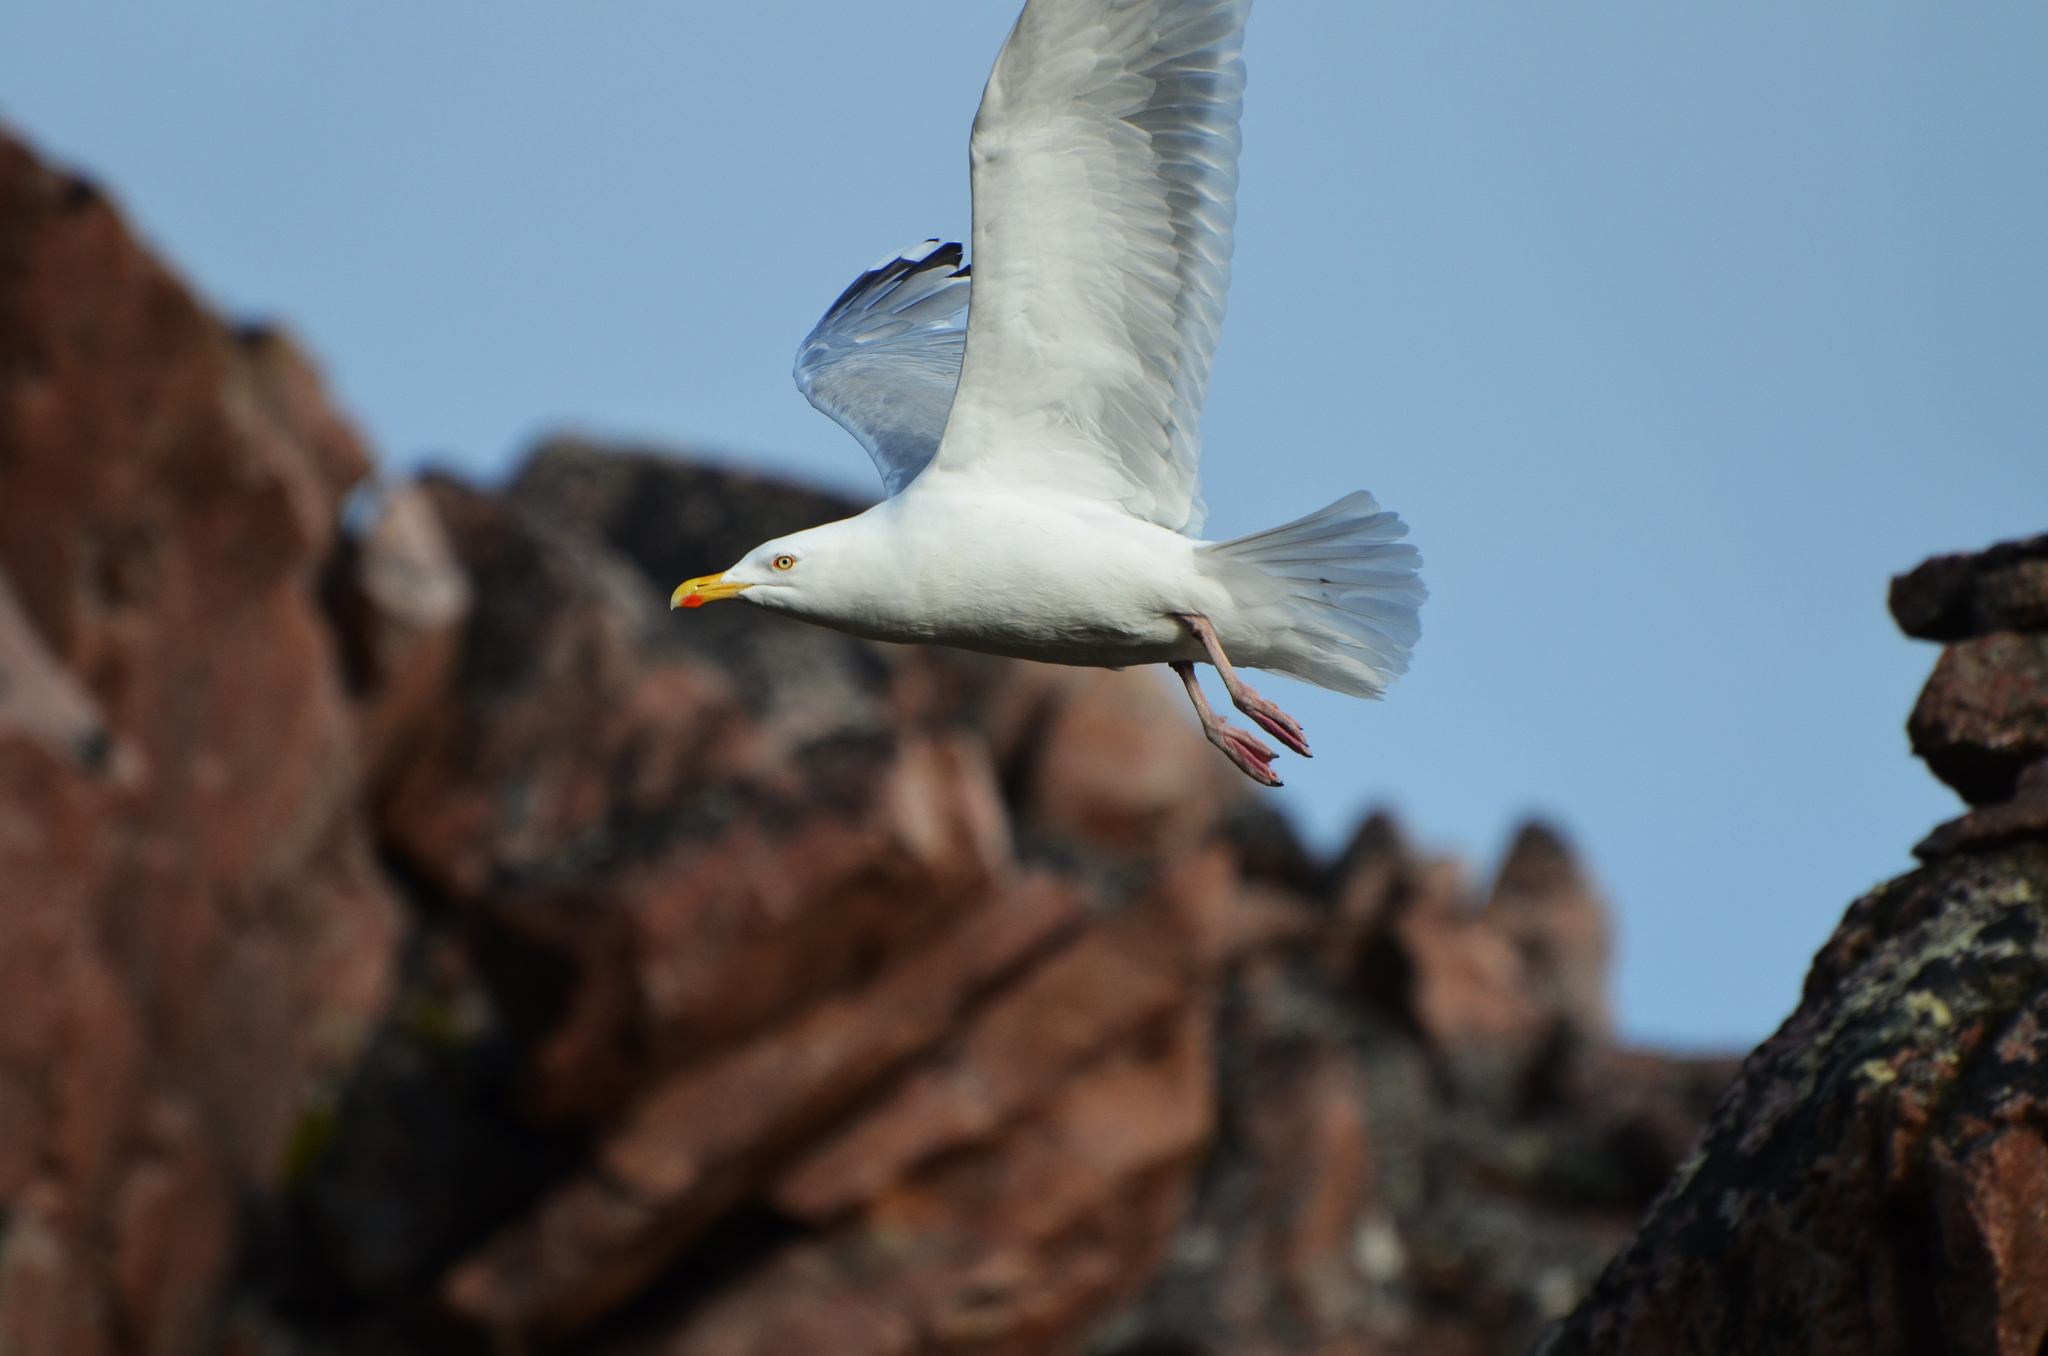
[(1673, 330)]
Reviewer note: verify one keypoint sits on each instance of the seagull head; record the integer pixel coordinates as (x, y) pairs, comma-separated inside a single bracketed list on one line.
[(824, 573)]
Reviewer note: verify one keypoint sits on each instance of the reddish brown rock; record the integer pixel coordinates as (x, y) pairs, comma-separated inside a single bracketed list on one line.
[(556, 726), (1490, 991), (1988, 1199), (1010, 1247), (1080, 1029), (1119, 979), (775, 962), (721, 936), (1109, 771), (1983, 716), (1960, 597), (1309, 1121), (1415, 943), (710, 828), (732, 937), (43, 701), (1394, 1173), (2025, 815), (696, 1143), (399, 597), (717, 871), (1371, 875), (194, 935), (173, 1219), (50, 1297), (1982, 719), (1543, 904)]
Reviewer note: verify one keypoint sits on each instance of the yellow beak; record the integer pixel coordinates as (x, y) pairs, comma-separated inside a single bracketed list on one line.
[(708, 588)]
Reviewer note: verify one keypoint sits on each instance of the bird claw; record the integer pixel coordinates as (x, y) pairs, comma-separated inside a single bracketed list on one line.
[(1253, 758), (1241, 747), (1276, 722)]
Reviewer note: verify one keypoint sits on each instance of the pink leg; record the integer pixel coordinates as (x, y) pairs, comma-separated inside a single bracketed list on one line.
[(1253, 759), (1277, 723)]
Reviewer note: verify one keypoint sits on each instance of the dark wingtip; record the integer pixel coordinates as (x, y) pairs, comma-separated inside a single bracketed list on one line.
[(947, 255)]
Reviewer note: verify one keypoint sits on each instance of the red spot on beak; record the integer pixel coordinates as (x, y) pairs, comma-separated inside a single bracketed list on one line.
[(694, 600)]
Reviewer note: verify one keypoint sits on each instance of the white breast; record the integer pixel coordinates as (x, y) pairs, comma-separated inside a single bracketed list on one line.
[(1035, 575)]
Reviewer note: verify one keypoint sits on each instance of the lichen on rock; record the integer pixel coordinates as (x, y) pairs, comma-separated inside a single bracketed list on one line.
[(1876, 1178)]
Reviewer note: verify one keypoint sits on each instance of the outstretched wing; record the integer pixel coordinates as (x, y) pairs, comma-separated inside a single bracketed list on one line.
[(885, 359), (1105, 169)]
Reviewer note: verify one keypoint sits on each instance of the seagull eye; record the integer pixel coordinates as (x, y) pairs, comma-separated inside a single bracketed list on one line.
[(785, 562)]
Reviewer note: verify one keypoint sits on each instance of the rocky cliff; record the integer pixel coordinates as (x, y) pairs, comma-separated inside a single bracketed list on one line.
[(416, 940), (776, 991), (195, 937), (1876, 1179)]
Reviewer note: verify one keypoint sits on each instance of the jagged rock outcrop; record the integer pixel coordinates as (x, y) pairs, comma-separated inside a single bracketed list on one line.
[(194, 939), (1428, 1144), (1982, 721), (898, 1000), (779, 924), (1876, 1179)]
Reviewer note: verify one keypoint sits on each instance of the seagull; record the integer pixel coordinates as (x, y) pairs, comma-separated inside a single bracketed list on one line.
[(1034, 416)]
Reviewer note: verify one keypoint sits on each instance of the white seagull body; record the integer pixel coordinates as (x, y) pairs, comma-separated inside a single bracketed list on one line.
[(1042, 460)]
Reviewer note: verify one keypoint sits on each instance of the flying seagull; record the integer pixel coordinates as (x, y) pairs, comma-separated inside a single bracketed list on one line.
[(1039, 446)]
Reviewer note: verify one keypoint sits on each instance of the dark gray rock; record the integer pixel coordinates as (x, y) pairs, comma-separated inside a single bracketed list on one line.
[(1874, 1180), (1958, 597)]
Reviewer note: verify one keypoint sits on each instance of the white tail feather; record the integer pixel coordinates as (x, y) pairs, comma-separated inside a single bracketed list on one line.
[(1350, 587)]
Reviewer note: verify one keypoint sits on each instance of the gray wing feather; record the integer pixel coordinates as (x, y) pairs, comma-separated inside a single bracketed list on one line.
[(885, 360), (1105, 175)]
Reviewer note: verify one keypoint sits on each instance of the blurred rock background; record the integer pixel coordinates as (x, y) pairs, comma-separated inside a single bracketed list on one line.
[(415, 939)]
